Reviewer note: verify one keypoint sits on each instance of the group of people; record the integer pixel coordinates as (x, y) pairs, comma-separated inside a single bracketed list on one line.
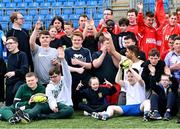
[(130, 69)]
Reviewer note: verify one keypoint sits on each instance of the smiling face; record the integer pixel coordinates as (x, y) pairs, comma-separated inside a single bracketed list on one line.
[(77, 42), (57, 24), (94, 83), (11, 45), (53, 32), (31, 82)]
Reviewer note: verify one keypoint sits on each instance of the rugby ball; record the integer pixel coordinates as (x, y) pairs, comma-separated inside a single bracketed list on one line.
[(39, 98)]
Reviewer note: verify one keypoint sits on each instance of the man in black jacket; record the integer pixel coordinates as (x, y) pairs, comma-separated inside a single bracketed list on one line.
[(17, 67)]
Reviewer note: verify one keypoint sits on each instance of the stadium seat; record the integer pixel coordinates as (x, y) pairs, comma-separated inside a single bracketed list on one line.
[(17, 1), (67, 11), (33, 5), (49, 17), (91, 10), (51, 1), (80, 3), (57, 4), (6, 1), (38, 17), (27, 1), (39, 1), (45, 5), (98, 16), (2, 5), (73, 17), (56, 11), (10, 5), (28, 18), (21, 5), (75, 23), (79, 11), (92, 3), (22, 11), (4, 25), (1, 12), (4, 18), (27, 25), (44, 11), (68, 4), (9, 11), (61, 0), (32, 12), (65, 17)]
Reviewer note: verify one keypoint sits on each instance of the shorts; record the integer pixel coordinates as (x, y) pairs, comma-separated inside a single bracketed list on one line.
[(131, 110)]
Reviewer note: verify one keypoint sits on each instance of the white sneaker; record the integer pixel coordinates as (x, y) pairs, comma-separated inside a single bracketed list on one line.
[(87, 113)]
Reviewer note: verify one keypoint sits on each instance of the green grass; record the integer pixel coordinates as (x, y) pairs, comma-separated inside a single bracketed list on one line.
[(85, 122)]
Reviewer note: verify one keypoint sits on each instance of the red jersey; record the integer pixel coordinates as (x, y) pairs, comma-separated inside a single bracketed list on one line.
[(60, 34), (148, 35), (166, 32)]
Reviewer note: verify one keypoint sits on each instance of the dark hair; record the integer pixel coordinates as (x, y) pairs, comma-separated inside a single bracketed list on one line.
[(173, 36), (31, 74), (13, 38), (133, 10), (59, 19), (149, 14), (132, 37), (178, 9), (44, 32), (55, 70), (69, 23), (90, 80), (134, 49), (154, 52), (177, 38), (123, 21), (134, 70), (110, 22), (109, 10)]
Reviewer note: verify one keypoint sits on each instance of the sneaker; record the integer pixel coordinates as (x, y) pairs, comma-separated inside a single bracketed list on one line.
[(23, 116), (87, 113), (14, 120), (95, 115), (167, 116), (155, 115), (104, 117), (146, 116)]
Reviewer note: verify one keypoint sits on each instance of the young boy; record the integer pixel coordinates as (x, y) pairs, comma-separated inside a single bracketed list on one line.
[(94, 97), (162, 98), (135, 98)]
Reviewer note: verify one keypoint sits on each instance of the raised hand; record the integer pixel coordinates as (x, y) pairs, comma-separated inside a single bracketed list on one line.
[(140, 5), (152, 69), (79, 85), (107, 82), (61, 53), (80, 70)]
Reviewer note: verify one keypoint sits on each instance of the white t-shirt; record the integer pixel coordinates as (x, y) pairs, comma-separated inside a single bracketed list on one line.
[(134, 94)]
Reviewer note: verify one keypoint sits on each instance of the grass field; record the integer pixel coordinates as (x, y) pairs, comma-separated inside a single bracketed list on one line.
[(86, 122)]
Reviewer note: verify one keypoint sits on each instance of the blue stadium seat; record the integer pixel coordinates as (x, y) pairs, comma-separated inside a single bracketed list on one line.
[(28, 18), (22, 11), (99, 10), (61, 0), (39, 1), (44, 11), (4, 25), (1, 12), (2, 5), (45, 5), (91, 10), (75, 23), (80, 3), (98, 16), (65, 17), (57, 4), (5, 18), (17, 1), (56, 11), (21, 5), (6, 1), (38, 17), (73, 17), (10, 5), (32, 12), (79, 11), (68, 4), (51, 1), (92, 3), (33, 5), (27, 1), (27, 25), (49, 17), (9, 11), (67, 11)]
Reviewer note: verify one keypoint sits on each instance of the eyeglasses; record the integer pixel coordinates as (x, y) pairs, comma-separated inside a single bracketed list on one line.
[(10, 43), (22, 18)]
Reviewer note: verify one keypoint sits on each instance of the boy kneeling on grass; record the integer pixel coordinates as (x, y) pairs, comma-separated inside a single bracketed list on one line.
[(135, 98), (94, 96)]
